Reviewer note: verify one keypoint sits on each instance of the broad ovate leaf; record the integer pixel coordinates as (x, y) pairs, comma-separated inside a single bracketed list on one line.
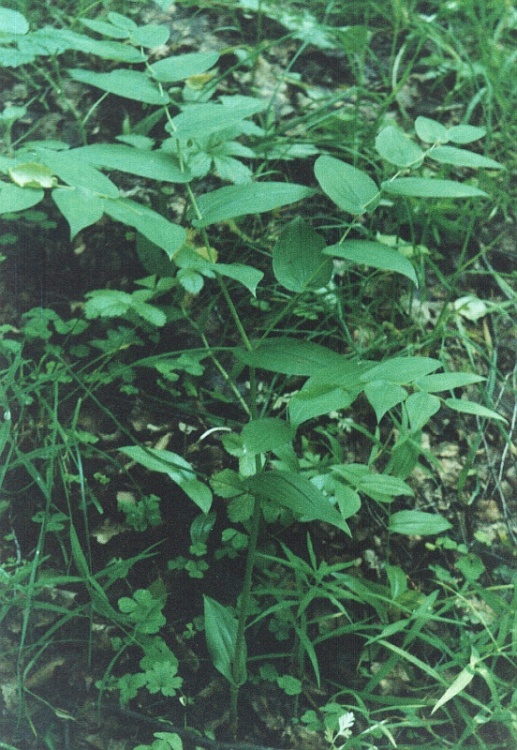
[(80, 207), (298, 263), (12, 22), (375, 254), (398, 149), (181, 67), (14, 198), (431, 131), (151, 35), (420, 408), (383, 396), (265, 434), (349, 188), (246, 275)]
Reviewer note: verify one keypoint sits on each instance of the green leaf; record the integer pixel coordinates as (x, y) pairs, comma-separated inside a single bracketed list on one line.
[(12, 22), (463, 134), (246, 275), (316, 400), (106, 29), (190, 280), (428, 187), (122, 21), (252, 198), (14, 198), (402, 370), (33, 175), (288, 356), (129, 84), (155, 165), (51, 41), (331, 388), (150, 36), (417, 523), (380, 487), (300, 496), (420, 408), (383, 396), (431, 131), (447, 381), (351, 189), (266, 434), (459, 157), (456, 687), (107, 303), (398, 148), (170, 237), (297, 258), (374, 254), (80, 207), (227, 483), (201, 120), (471, 407), (176, 468), (77, 173), (180, 67), (221, 637)]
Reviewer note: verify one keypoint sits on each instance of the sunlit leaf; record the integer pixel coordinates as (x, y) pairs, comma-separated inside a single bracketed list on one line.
[(33, 175)]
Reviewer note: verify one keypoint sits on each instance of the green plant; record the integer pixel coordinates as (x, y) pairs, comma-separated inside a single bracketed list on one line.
[(275, 482)]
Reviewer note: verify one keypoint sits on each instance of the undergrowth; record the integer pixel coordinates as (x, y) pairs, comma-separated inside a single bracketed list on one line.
[(277, 306)]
